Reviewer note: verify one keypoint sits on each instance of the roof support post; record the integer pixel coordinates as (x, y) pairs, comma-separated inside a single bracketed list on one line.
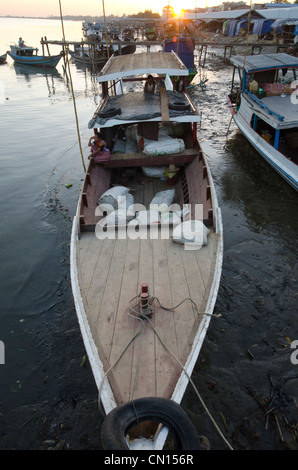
[(276, 138)]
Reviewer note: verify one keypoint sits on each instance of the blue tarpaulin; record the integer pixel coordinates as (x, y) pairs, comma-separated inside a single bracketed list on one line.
[(184, 48), (240, 24), (231, 27), (261, 27)]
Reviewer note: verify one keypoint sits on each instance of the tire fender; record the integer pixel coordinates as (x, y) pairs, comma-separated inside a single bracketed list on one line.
[(179, 106), (120, 420), (109, 113)]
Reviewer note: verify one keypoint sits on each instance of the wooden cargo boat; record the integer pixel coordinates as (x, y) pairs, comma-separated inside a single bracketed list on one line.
[(144, 297)]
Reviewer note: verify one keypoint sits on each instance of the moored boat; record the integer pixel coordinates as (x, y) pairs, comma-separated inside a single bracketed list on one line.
[(29, 56), (88, 57), (146, 252), (3, 58), (265, 109)]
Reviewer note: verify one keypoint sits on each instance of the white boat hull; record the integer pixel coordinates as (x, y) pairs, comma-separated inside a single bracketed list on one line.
[(287, 169)]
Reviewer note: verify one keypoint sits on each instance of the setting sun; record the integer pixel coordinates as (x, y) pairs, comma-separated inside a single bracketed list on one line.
[(177, 6)]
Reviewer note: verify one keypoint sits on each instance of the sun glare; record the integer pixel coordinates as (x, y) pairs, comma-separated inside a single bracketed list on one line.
[(177, 6)]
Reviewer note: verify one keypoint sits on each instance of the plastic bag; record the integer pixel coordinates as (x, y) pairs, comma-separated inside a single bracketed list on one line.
[(164, 197), (154, 171), (192, 233), (148, 217), (117, 217), (109, 200)]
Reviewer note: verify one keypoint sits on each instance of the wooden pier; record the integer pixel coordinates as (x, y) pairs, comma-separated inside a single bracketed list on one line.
[(226, 47)]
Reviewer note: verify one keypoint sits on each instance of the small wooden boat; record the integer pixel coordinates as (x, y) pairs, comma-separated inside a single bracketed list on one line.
[(3, 58), (29, 56), (93, 58), (265, 109), (144, 296)]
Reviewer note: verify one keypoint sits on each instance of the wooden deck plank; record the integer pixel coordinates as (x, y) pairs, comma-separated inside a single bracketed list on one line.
[(146, 362), (97, 283), (126, 326), (107, 315), (184, 315), (164, 104), (166, 365), (89, 261)]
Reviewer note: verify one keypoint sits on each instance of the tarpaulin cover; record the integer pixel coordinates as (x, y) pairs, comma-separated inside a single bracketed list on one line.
[(261, 27), (278, 24), (231, 27), (184, 48), (241, 24)]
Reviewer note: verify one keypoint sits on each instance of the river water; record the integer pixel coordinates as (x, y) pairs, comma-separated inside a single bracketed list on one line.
[(48, 396)]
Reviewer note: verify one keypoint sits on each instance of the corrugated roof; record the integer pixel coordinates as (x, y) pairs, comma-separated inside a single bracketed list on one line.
[(218, 15), (142, 63), (280, 13), (267, 13), (258, 62)]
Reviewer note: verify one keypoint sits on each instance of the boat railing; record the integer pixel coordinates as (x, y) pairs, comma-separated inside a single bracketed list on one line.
[(263, 106)]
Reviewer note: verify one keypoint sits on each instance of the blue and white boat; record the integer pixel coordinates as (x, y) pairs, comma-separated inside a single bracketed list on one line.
[(265, 108), (29, 56)]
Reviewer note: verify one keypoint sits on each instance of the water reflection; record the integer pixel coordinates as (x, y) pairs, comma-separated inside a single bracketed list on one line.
[(30, 74)]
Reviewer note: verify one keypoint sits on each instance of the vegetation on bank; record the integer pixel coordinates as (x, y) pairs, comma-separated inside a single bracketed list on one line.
[(147, 14)]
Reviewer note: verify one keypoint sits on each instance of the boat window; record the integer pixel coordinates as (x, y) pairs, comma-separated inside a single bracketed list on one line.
[(265, 77)]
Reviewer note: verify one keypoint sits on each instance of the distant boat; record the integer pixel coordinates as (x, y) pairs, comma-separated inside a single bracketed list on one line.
[(88, 57), (3, 58), (265, 109), (28, 56)]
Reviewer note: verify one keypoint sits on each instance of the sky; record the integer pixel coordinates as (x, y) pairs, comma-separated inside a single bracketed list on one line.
[(46, 8)]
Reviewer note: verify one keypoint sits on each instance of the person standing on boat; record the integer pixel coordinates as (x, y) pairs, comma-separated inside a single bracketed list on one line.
[(149, 85), (21, 42)]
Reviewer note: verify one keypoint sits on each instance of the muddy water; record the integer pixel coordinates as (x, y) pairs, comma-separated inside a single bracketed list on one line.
[(245, 367)]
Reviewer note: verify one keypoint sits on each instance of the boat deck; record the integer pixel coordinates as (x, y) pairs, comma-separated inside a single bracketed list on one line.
[(110, 274), (281, 110)]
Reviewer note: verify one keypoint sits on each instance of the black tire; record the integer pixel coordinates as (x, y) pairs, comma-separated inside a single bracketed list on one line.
[(177, 106), (120, 420), (109, 113)]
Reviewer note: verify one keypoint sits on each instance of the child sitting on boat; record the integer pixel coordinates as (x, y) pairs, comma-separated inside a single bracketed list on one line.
[(149, 85), (99, 149)]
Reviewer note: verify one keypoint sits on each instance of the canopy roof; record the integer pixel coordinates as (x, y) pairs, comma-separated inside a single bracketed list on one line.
[(142, 63), (257, 63)]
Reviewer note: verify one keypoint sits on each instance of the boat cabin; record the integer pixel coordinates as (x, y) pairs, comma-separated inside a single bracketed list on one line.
[(24, 50), (148, 134), (267, 100)]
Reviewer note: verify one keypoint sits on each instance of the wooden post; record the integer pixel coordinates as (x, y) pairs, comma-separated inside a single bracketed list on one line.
[(47, 47), (201, 50), (205, 55), (42, 45)]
